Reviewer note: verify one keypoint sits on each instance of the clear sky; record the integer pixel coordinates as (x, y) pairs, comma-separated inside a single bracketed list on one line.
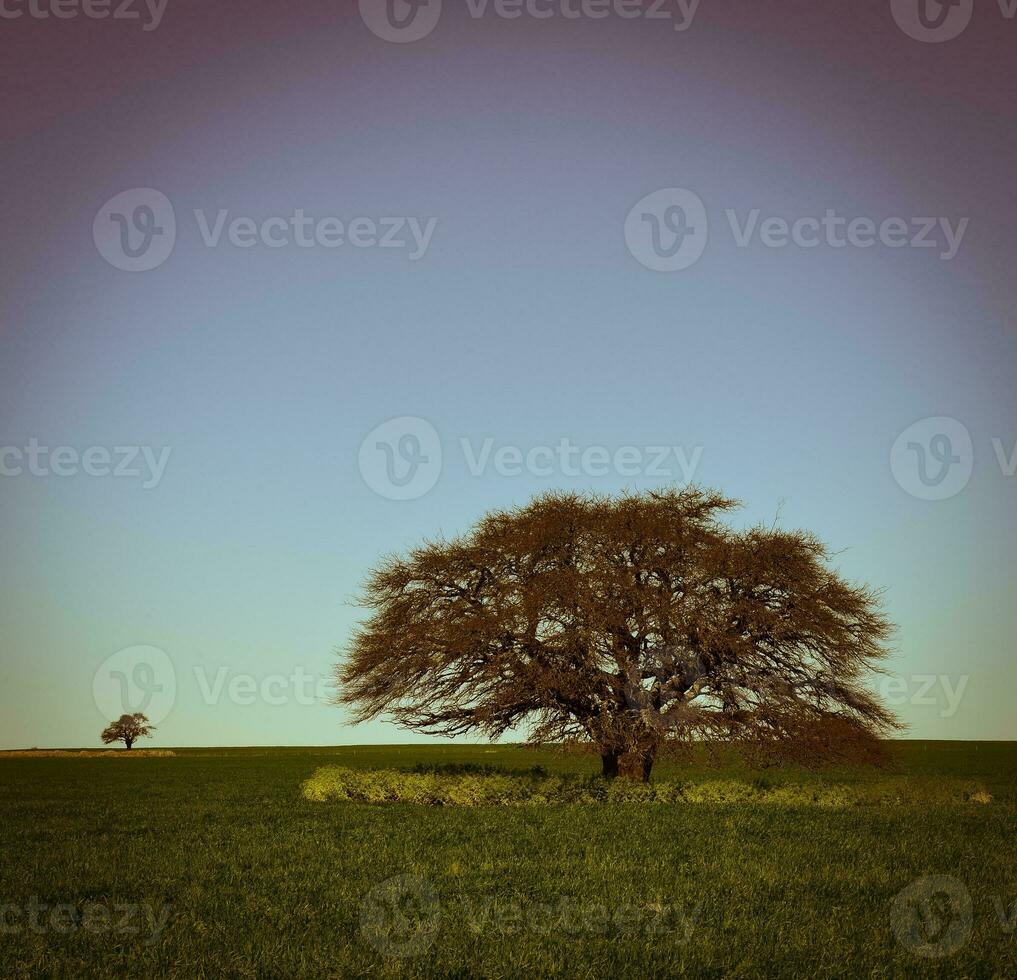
[(784, 374)]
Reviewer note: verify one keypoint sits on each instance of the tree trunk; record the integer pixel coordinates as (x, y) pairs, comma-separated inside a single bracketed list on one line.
[(609, 764), (128, 743), (638, 765), (649, 757)]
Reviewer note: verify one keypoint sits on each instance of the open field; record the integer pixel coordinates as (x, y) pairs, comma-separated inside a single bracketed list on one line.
[(212, 864)]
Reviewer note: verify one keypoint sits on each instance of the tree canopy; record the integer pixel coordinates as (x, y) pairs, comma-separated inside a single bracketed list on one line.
[(630, 623), (127, 729)]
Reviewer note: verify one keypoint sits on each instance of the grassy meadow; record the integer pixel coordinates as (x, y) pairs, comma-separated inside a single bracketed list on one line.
[(212, 863)]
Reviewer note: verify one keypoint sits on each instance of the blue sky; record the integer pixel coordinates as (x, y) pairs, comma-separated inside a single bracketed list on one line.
[(786, 373)]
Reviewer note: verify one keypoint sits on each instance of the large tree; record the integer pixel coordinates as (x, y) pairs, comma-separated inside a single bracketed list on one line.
[(629, 623)]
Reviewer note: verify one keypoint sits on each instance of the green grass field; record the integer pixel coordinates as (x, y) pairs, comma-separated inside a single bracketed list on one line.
[(211, 864)]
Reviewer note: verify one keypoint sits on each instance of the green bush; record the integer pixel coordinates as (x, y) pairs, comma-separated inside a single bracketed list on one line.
[(722, 791), (480, 786)]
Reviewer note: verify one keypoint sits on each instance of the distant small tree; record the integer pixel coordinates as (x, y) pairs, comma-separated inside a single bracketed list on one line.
[(127, 729)]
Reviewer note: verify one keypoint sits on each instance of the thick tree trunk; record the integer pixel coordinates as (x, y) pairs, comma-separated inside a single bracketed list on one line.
[(638, 765), (649, 757), (609, 764), (128, 743)]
